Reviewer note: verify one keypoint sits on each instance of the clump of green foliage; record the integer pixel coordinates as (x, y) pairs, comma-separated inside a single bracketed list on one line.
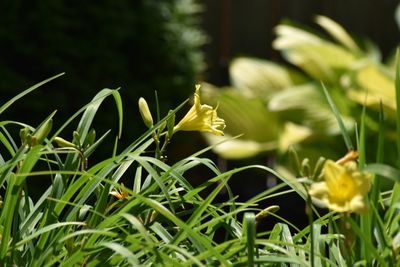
[(88, 217)]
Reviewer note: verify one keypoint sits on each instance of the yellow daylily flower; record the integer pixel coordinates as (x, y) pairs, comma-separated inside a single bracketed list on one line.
[(343, 188), (119, 193), (201, 118)]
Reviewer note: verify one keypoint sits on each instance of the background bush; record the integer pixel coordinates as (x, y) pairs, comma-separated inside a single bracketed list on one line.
[(141, 46)]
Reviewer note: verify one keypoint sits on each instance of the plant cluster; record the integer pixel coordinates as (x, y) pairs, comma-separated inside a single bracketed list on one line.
[(88, 217), (134, 208), (288, 101)]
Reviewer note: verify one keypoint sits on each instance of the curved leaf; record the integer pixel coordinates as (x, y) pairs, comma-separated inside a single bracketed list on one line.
[(234, 149), (397, 16), (376, 86), (338, 33), (261, 78), (91, 110), (306, 105), (319, 58), (243, 115), (384, 171), (293, 134), (27, 91)]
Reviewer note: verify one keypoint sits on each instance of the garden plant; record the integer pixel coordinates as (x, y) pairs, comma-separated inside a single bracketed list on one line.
[(286, 98), (135, 208)]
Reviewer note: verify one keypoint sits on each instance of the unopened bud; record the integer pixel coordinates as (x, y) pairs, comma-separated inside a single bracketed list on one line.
[(265, 212), (171, 124), (23, 134), (90, 138), (305, 167), (42, 132), (145, 112), (63, 143), (76, 137)]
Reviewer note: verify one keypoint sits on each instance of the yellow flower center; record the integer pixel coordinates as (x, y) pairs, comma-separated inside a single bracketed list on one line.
[(343, 189)]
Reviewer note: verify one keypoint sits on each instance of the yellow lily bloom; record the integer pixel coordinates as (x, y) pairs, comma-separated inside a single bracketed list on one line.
[(119, 193), (343, 188), (201, 118)]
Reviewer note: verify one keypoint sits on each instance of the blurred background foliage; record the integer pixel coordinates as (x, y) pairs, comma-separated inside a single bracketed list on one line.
[(278, 105), (265, 74)]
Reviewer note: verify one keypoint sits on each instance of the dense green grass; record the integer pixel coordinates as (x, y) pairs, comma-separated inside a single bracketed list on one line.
[(161, 219)]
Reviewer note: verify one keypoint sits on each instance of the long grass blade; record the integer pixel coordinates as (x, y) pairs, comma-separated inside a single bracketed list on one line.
[(383, 170), (249, 222), (44, 230), (397, 86), (118, 103), (12, 196), (345, 134), (195, 237), (395, 197), (27, 91)]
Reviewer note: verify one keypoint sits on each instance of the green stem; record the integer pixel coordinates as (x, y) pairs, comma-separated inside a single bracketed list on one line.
[(311, 223), (164, 146), (157, 143)]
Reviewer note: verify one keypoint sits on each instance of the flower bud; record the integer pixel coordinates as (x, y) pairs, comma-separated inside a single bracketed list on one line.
[(42, 132), (23, 134), (63, 143), (145, 112), (265, 212), (90, 138), (171, 124), (76, 137)]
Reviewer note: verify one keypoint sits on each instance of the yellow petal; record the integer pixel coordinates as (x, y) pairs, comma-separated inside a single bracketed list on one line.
[(343, 188), (319, 190), (201, 118)]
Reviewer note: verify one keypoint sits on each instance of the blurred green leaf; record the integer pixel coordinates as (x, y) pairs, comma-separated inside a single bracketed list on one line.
[(338, 33), (259, 129), (261, 78), (397, 16), (320, 59), (306, 105), (384, 171), (243, 115), (374, 85), (293, 134), (230, 148)]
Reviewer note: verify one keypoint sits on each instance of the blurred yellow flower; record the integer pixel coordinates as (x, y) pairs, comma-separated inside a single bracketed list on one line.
[(119, 193), (201, 118), (343, 188)]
